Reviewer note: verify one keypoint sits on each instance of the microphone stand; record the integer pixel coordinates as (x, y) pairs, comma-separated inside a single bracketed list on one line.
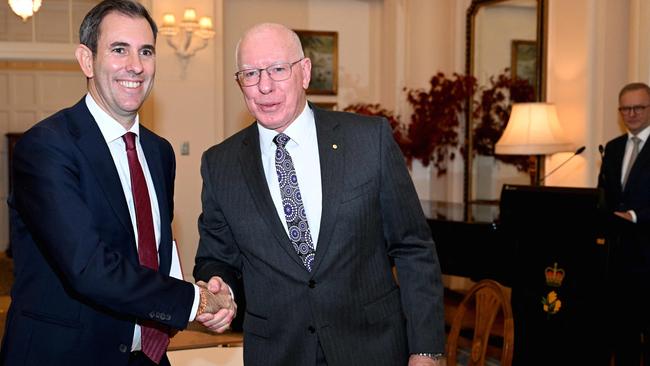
[(577, 152)]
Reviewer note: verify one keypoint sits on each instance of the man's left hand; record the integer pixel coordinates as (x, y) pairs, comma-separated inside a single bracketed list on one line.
[(624, 215)]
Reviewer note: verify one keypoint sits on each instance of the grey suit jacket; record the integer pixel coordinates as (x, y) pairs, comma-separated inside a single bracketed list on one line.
[(350, 302)]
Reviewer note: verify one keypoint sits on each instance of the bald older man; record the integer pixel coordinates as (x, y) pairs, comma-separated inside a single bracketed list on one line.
[(311, 208)]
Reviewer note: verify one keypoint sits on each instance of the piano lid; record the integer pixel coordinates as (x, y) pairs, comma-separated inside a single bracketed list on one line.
[(479, 211)]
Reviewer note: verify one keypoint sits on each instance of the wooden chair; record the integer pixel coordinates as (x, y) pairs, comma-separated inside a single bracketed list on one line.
[(485, 300)]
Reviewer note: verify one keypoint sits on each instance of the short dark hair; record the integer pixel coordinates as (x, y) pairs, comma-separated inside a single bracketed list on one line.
[(89, 29), (634, 86)]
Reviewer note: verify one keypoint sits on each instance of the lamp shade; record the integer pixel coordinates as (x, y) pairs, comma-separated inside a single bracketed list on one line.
[(533, 129)]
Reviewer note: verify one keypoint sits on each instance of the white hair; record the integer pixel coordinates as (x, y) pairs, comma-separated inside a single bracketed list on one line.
[(294, 41)]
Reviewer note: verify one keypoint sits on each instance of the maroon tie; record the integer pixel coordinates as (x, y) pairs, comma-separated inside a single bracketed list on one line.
[(154, 339)]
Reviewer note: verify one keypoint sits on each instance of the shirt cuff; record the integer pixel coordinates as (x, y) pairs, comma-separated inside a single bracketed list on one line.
[(195, 304)]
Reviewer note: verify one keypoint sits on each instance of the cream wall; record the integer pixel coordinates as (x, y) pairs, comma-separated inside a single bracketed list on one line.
[(434, 40), (589, 58), (188, 108)]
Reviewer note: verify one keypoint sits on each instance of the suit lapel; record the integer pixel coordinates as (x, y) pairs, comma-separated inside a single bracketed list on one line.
[(640, 164), (253, 171), (152, 155), (91, 143), (331, 149), (614, 155)]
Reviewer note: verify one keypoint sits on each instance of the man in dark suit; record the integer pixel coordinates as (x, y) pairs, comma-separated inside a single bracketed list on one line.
[(309, 209), (91, 214), (625, 179)]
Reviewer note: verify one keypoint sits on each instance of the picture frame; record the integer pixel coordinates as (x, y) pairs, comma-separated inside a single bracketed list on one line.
[(524, 61), (321, 47)]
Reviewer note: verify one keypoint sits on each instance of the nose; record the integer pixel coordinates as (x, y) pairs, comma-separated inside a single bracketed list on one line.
[(265, 85), (134, 64)]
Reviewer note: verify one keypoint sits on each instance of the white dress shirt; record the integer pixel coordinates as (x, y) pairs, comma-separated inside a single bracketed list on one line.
[(303, 148), (112, 131)]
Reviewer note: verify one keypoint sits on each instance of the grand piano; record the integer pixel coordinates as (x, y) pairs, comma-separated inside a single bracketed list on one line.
[(536, 240)]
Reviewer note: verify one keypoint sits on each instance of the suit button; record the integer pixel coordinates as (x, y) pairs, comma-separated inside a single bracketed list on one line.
[(312, 283), (123, 348), (311, 329)]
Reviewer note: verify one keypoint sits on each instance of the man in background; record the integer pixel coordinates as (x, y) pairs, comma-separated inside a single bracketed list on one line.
[(91, 212), (309, 209), (625, 180)]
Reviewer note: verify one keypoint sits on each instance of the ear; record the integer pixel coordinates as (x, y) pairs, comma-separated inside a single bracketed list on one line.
[(85, 58), (306, 72)]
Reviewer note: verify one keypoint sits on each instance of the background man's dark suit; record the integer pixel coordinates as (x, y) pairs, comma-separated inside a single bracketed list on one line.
[(350, 301), (80, 286), (629, 253), (636, 196)]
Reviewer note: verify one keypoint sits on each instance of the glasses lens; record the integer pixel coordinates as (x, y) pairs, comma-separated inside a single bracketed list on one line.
[(279, 72), (634, 108), (248, 77)]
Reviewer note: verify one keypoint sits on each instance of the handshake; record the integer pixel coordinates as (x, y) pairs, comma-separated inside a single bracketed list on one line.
[(217, 307)]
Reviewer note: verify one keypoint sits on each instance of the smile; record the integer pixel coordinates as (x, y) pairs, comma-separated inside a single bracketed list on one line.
[(130, 84)]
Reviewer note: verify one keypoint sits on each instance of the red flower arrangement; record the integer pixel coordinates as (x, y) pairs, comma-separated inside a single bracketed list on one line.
[(433, 134), (492, 112)]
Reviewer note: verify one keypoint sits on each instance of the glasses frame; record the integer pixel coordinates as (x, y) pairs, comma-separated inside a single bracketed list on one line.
[(259, 78), (638, 108)]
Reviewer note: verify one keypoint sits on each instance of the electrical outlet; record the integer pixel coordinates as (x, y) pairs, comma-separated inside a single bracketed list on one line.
[(185, 148)]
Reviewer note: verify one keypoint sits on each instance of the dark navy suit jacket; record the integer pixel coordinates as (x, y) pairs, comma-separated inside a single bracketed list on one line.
[(79, 288), (631, 253)]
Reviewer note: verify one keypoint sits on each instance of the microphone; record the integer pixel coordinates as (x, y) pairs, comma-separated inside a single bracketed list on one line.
[(577, 152), (601, 175), (601, 150)]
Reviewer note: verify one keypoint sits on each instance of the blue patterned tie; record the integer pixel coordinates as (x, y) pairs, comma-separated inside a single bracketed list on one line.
[(294, 210)]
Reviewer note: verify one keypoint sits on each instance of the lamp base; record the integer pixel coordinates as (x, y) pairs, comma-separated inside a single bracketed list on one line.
[(536, 170)]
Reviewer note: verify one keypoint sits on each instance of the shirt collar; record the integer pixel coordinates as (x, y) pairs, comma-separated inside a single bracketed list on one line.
[(299, 130), (109, 127), (643, 135)]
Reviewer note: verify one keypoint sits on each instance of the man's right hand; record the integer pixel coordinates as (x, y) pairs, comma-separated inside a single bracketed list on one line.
[(221, 307)]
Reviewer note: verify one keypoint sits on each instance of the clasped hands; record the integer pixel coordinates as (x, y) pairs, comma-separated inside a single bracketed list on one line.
[(220, 308)]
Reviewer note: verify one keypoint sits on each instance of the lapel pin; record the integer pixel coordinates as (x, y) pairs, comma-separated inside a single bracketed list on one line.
[(335, 146)]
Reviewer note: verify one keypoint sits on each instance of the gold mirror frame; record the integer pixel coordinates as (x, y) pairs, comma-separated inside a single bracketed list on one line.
[(475, 6)]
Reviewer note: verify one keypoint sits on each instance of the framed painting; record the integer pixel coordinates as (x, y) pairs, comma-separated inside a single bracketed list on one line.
[(524, 61), (322, 49)]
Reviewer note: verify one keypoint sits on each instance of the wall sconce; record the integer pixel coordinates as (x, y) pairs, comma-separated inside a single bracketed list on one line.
[(533, 129), (25, 8), (188, 28)]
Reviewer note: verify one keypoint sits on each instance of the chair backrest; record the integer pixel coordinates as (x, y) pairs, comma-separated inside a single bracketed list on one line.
[(485, 299)]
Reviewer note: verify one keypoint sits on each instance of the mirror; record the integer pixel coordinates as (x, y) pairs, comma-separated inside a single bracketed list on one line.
[(501, 34)]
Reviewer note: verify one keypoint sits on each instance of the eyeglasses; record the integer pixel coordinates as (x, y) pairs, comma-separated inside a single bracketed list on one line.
[(277, 72), (633, 108)]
